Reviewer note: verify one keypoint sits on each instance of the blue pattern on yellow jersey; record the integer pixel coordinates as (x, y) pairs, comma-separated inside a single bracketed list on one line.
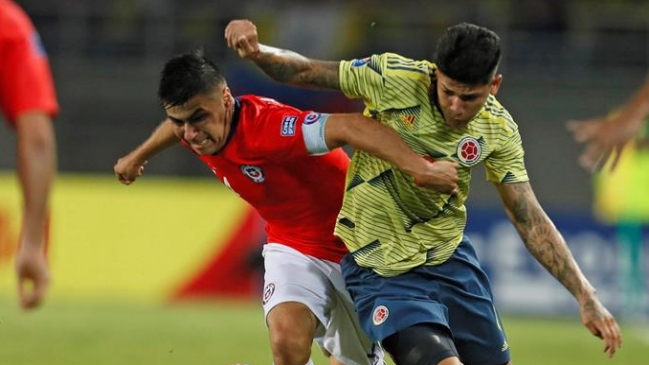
[(389, 223)]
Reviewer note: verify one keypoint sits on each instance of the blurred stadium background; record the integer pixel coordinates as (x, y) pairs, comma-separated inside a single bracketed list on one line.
[(127, 261)]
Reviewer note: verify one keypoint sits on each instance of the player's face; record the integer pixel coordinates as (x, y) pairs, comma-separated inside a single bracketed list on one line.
[(204, 121), (459, 102)]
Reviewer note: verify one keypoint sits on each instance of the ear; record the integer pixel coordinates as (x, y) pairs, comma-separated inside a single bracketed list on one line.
[(228, 99), (495, 84)]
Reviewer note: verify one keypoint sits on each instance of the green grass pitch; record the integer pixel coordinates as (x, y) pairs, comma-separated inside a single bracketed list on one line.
[(228, 332)]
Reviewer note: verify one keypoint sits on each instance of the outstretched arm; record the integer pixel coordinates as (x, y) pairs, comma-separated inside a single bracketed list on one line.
[(36, 157), (548, 247), (606, 135), (281, 65), (131, 166), (368, 135)]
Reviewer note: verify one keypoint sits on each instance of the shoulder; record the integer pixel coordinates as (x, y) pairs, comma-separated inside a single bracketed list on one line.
[(390, 64), (255, 107), (14, 20), (498, 115), (396, 64)]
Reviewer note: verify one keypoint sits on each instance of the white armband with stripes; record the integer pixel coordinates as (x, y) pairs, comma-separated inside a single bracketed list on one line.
[(313, 130)]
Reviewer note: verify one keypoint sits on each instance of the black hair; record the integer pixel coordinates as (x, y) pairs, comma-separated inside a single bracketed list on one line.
[(185, 76), (469, 54)]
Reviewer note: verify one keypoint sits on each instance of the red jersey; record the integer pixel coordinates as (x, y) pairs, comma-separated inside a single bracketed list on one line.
[(25, 77), (265, 161)]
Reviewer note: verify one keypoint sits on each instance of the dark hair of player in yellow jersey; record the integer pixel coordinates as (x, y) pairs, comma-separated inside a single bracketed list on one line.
[(467, 59)]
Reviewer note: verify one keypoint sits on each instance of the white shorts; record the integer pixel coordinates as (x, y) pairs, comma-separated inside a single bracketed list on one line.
[(294, 277)]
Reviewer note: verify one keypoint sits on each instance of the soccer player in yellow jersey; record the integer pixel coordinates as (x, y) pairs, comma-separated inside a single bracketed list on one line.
[(415, 279)]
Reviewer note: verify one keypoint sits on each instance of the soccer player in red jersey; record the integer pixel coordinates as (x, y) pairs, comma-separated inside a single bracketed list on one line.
[(28, 102), (286, 164)]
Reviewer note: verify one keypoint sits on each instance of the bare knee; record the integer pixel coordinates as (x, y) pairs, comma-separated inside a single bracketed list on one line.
[(291, 327)]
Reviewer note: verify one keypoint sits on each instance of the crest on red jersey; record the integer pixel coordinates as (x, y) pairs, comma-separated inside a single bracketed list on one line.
[(255, 173)]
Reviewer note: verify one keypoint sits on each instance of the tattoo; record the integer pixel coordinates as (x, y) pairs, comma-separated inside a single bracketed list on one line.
[(542, 239), (292, 68)]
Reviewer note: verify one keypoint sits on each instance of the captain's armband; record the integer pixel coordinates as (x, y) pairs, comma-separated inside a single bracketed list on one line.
[(313, 130)]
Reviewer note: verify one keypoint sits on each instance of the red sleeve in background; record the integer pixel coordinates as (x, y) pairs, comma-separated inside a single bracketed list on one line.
[(25, 77)]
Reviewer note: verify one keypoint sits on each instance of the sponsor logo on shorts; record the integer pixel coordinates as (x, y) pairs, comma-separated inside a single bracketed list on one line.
[(255, 173), (505, 346), (269, 290), (469, 150), (380, 314), (288, 125), (311, 118)]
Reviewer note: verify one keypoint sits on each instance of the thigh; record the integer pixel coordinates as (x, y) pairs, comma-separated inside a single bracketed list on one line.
[(464, 289), (387, 305), (344, 337), (291, 276)]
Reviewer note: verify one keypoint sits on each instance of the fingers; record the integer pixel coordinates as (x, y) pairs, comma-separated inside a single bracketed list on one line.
[(241, 35), (441, 177), (127, 174), (594, 157), (585, 130), (616, 153), (612, 339), (32, 292), (243, 45), (608, 330)]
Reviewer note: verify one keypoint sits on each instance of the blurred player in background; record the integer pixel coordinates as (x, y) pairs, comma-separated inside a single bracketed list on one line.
[(28, 102), (286, 163), (415, 279), (607, 135)]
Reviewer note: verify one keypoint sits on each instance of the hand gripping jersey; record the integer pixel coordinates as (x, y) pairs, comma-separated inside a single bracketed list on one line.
[(388, 223), (265, 161), (25, 77)]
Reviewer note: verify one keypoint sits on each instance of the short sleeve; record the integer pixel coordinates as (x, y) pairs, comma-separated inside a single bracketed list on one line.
[(506, 164), (25, 77), (363, 79), (277, 133)]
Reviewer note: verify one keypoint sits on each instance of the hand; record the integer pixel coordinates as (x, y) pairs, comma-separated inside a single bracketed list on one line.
[(33, 276), (241, 35), (440, 176), (601, 324), (128, 168), (603, 137)]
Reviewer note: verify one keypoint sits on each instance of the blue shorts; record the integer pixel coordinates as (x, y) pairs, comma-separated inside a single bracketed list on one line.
[(455, 294)]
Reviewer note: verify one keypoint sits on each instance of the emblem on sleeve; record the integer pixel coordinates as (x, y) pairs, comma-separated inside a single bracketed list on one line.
[(380, 314), (255, 173), (469, 150), (361, 62), (288, 125), (311, 118)]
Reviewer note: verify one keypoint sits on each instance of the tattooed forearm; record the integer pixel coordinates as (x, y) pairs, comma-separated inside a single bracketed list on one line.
[(543, 240), (292, 68)]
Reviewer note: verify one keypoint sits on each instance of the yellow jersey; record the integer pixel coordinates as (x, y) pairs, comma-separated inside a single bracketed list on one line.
[(389, 223)]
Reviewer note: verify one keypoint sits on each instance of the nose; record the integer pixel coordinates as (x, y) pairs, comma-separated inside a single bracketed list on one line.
[(189, 131), (456, 105)]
